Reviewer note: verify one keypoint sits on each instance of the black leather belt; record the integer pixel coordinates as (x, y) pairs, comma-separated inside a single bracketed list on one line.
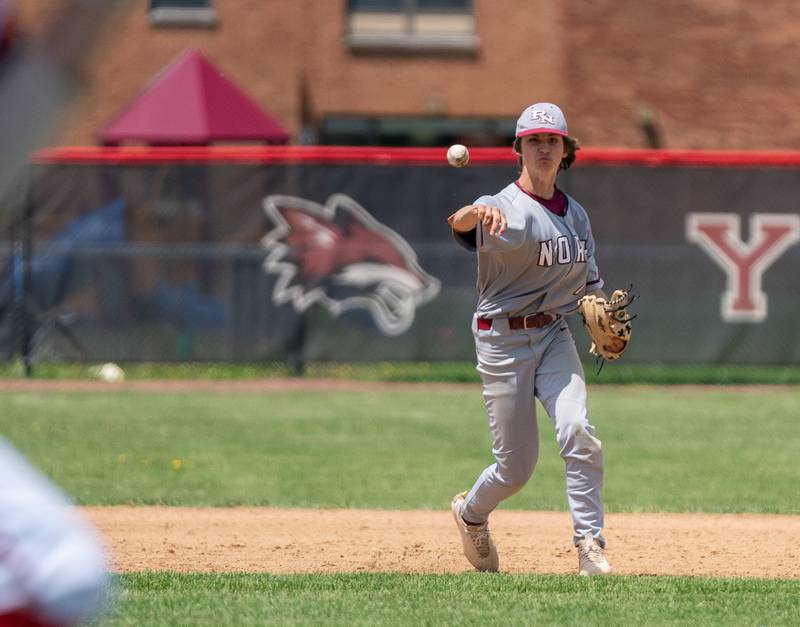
[(531, 321)]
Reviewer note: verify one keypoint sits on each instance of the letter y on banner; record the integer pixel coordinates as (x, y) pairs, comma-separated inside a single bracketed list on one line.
[(719, 234)]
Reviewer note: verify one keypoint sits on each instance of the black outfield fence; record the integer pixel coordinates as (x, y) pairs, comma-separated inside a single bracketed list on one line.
[(305, 254)]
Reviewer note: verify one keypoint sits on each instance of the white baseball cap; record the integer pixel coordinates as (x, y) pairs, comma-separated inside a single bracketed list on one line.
[(542, 117)]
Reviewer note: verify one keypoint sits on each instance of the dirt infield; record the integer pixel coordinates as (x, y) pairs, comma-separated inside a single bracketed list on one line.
[(329, 541)]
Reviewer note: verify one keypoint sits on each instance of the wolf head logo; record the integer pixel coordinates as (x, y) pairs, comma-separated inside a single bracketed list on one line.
[(338, 255)]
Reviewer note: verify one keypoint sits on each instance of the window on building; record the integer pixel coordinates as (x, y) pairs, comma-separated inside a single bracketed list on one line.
[(412, 25), (183, 13), (415, 131)]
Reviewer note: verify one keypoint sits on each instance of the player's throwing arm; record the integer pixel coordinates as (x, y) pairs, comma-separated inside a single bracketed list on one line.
[(468, 218)]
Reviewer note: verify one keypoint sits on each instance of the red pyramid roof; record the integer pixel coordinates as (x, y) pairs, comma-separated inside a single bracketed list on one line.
[(191, 102)]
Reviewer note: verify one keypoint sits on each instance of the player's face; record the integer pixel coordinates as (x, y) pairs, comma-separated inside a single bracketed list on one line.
[(543, 152)]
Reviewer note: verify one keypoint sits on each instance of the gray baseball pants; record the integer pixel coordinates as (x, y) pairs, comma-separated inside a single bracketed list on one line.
[(517, 366)]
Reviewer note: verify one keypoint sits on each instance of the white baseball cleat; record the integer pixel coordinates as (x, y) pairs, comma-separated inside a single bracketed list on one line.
[(592, 558), (476, 539)]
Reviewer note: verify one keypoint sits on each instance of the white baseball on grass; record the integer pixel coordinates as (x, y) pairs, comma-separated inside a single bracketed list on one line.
[(458, 155), (111, 372)]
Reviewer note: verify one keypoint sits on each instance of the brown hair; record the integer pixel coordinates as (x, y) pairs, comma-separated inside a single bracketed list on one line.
[(571, 144)]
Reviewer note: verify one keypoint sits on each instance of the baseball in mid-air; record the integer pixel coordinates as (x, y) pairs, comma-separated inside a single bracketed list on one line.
[(458, 155)]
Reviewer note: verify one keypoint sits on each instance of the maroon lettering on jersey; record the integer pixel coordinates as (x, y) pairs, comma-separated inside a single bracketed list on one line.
[(562, 245), (563, 253), (719, 235), (580, 248)]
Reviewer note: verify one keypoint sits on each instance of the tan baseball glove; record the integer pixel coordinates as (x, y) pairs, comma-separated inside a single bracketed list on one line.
[(608, 323)]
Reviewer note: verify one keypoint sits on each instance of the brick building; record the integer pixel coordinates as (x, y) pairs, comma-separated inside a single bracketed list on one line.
[(678, 73)]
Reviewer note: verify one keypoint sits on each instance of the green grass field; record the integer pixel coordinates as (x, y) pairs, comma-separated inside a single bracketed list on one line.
[(667, 449), (468, 599), (454, 372)]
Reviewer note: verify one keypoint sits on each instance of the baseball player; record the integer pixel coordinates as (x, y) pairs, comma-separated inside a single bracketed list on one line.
[(52, 564), (535, 255)]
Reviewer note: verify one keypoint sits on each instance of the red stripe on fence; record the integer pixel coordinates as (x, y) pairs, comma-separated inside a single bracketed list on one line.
[(404, 156)]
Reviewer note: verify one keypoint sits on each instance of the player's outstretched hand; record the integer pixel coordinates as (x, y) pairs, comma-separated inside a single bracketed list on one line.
[(467, 218), (493, 218)]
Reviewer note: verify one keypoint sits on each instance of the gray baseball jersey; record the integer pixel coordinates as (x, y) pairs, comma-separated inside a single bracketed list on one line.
[(543, 261)]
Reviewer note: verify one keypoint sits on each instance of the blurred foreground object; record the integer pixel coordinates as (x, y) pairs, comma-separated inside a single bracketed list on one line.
[(8, 27), (52, 563), (43, 50)]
